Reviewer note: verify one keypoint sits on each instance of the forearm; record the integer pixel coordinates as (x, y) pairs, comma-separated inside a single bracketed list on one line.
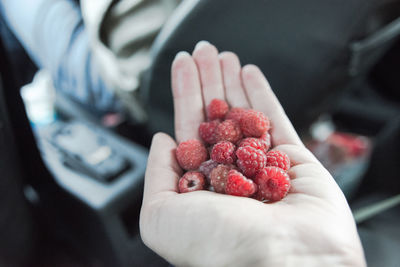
[(53, 33)]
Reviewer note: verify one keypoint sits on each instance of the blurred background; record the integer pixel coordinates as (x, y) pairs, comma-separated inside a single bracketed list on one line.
[(85, 84)]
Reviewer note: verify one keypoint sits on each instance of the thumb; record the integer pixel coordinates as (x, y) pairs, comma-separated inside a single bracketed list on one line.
[(162, 171)]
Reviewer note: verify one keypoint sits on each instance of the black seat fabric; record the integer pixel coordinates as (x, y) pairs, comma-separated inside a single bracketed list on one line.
[(301, 46)]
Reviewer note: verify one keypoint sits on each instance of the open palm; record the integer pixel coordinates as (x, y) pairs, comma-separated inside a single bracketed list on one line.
[(311, 226)]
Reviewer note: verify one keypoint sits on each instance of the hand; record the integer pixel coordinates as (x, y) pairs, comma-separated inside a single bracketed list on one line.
[(311, 226)]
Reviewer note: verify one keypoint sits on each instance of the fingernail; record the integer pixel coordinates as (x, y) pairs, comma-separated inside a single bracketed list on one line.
[(201, 44), (222, 54), (181, 54), (249, 68)]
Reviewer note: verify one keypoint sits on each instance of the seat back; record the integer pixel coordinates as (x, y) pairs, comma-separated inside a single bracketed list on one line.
[(303, 47)]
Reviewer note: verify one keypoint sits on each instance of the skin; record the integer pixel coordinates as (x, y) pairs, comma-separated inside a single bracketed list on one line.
[(311, 226)]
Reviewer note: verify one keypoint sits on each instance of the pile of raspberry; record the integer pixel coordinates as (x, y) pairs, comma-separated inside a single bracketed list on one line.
[(234, 157)]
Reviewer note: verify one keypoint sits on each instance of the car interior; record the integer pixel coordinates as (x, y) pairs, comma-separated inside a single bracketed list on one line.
[(71, 190)]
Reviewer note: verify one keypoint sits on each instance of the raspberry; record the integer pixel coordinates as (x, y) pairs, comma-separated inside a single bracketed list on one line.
[(217, 109), (247, 170), (235, 114), (278, 159), (206, 167), (207, 131), (266, 140), (254, 123), (273, 184), (263, 143), (250, 160), (253, 142), (218, 177), (239, 185), (190, 154), (228, 130), (223, 152), (191, 181)]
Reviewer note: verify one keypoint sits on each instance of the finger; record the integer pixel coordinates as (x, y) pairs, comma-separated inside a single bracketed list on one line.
[(188, 101), (162, 171), (310, 186), (310, 169), (206, 57), (307, 174), (263, 99), (313, 180), (302, 162), (231, 74)]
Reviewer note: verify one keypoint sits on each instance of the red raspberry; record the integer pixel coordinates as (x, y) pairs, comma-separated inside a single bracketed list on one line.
[(278, 159), (207, 131), (217, 109), (206, 167), (254, 123), (266, 140), (223, 152), (238, 185), (263, 143), (273, 184), (228, 130), (253, 142), (191, 181), (235, 114), (250, 160), (190, 154), (218, 177)]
